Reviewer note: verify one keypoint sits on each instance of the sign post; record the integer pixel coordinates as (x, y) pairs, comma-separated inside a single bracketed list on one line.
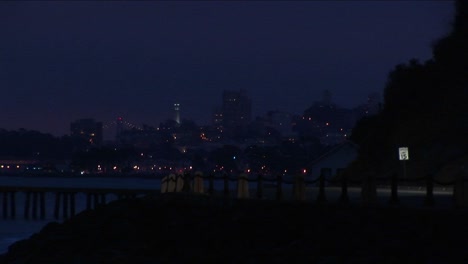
[(404, 156)]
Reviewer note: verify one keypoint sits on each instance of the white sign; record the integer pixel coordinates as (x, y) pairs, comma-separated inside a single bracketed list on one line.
[(404, 154)]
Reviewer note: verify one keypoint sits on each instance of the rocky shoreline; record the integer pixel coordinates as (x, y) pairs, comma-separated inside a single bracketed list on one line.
[(188, 229)]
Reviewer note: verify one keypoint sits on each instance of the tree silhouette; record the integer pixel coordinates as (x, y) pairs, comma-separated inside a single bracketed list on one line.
[(425, 107)]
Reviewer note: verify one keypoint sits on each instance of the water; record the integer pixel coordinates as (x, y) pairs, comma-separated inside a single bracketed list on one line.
[(123, 183), (12, 230)]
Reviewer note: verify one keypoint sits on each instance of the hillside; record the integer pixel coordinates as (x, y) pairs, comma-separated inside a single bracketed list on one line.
[(181, 230)]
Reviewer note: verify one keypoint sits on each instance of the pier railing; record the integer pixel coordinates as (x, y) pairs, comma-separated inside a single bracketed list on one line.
[(64, 199), (195, 183), (241, 186)]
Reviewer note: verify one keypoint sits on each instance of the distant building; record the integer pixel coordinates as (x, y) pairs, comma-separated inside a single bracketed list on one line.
[(217, 117), (140, 138), (87, 130), (281, 122), (330, 123), (236, 109), (327, 122)]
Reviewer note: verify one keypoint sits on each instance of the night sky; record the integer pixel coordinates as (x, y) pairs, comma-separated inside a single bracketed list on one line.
[(61, 61)]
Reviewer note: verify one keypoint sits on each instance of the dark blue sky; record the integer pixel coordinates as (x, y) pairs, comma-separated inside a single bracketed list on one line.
[(61, 61)]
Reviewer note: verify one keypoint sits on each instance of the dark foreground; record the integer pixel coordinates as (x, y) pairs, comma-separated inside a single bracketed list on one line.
[(181, 230)]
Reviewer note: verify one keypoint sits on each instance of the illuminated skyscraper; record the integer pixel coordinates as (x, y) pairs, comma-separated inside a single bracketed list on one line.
[(217, 118), (177, 113), (236, 109)]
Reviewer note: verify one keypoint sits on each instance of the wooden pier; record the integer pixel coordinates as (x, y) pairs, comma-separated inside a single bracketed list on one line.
[(65, 199), (243, 187)]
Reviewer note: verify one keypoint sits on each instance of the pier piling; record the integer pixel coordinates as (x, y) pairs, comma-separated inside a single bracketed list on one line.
[(57, 205), (27, 205), (5, 205)]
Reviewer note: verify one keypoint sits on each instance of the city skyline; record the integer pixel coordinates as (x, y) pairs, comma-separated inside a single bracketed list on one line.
[(108, 128), (64, 61)]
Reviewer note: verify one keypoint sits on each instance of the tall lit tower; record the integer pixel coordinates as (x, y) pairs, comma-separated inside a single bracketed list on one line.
[(177, 113)]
